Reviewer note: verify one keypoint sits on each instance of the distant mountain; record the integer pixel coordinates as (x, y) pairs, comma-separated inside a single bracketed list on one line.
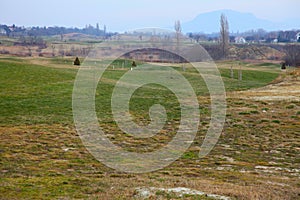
[(238, 21)]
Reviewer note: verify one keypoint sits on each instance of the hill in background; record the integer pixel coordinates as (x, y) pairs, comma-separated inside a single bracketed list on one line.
[(209, 22)]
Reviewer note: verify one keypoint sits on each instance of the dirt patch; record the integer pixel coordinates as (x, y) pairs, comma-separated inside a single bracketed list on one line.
[(145, 193), (286, 88)]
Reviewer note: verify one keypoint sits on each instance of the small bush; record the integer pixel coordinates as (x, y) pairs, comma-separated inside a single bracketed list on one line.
[(189, 155), (77, 61), (290, 106), (276, 121), (244, 113), (264, 103), (133, 64), (264, 120)]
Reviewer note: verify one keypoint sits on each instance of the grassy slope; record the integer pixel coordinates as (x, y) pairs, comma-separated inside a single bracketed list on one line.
[(42, 157), (33, 94)]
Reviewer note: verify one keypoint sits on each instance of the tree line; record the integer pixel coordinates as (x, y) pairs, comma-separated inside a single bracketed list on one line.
[(222, 46), (15, 31)]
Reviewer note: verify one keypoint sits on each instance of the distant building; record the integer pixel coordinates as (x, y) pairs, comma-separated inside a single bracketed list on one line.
[(298, 37), (240, 40), (287, 36), (2, 31), (12, 28)]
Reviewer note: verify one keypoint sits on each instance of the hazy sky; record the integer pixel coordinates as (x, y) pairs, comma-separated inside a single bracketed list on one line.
[(119, 15)]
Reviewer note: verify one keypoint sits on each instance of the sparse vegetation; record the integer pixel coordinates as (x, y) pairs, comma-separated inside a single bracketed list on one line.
[(291, 106), (43, 157)]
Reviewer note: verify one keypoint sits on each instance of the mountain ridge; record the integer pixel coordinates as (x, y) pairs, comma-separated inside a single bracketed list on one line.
[(209, 22)]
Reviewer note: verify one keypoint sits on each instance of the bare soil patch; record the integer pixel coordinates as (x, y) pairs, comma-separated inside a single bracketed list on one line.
[(287, 87)]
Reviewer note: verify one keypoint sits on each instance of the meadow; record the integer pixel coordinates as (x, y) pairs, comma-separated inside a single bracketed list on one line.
[(42, 156)]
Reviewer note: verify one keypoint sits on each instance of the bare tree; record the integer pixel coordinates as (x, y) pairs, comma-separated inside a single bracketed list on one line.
[(61, 51), (292, 55), (104, 30), (177, 28), (53, 50), (224, 35), (29, 51)]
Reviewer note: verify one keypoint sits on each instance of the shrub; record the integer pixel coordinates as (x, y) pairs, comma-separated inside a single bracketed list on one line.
[(290, 106), (133, 64), (276, 121), (244, 113), (77, 61), (254, 112)]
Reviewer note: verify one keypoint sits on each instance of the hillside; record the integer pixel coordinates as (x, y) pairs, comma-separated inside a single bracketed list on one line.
[(238, 21)]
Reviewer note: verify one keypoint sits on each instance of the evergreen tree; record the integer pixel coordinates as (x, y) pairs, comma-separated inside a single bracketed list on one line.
[(77, 61), (133, 64)]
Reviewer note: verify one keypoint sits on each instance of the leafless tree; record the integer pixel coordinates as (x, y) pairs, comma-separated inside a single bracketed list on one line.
[(177, 28), (224, 35), (292, 54), (53, 50), (61, 51), (104, 30), (29, 51)]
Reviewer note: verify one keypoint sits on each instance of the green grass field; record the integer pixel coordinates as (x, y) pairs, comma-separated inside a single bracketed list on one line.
[(42, 157), (34, 94)]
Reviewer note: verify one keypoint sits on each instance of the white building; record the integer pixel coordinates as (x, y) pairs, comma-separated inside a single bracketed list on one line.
[(240, 40), (298, 37)]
